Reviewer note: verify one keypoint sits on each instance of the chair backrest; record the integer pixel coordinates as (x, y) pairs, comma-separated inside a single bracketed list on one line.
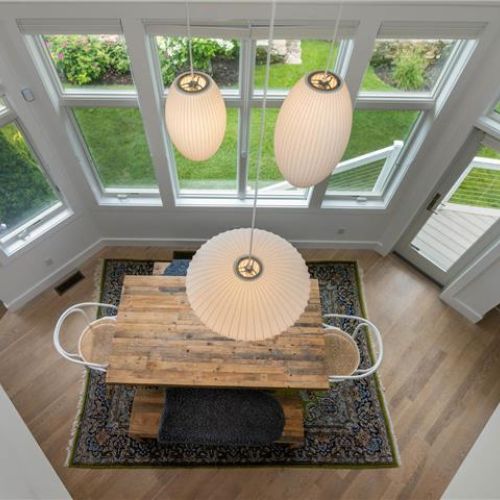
[(379, 348), (82, 310)]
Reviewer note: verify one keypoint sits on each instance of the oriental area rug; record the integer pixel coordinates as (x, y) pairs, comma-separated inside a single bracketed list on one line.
[(345, 427)]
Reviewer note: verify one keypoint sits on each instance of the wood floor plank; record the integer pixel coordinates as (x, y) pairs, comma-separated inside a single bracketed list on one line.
[(441, 376)]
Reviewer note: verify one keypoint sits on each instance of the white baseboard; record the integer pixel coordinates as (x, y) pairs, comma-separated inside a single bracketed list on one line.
[(86, 254), (195, 242), (55, 276), (462, 308)]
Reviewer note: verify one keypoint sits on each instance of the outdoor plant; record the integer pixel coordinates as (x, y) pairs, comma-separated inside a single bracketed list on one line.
[(409, 71), (79, 59), (174, 55), (408, 64)]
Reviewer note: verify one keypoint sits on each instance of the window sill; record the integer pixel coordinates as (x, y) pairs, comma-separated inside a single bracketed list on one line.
[(12, 244), (237, 203), (131, 201)]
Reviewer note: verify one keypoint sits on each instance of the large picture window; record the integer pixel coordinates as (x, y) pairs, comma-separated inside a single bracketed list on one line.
[(405, 77)]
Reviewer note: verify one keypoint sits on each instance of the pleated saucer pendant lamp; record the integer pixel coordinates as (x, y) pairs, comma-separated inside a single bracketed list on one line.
[(313, 128), (244, 298), (195, 115)]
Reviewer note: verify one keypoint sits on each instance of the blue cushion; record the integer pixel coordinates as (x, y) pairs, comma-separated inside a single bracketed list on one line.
[(178, 267)]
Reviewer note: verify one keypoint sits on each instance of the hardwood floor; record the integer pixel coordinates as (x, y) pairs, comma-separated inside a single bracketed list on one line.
[(441, 375)]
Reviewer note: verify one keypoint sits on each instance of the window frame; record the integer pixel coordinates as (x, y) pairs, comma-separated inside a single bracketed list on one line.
[(37, 225), (428, 104), (245, 99), (69, 99)]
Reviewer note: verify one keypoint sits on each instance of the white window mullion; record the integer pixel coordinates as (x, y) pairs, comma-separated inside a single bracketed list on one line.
[(150, 104), (247, 63)]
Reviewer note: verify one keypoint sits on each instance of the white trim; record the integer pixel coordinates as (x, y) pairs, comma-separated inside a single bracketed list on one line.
[(254, 30), (462, 308), (430, 29), (69, 26)]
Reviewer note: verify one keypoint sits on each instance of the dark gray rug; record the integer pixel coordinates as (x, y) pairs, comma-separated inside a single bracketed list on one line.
[(347, 426)]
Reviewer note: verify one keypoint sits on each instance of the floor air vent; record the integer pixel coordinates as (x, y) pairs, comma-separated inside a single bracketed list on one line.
[(183, 255), (69, 282)]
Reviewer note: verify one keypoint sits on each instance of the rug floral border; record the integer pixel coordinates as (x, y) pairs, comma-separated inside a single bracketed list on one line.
[(383, 405)]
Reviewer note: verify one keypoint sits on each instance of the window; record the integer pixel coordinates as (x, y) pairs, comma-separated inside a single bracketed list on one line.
[(377, 138), (231, 172), (291, 59), (117, 144), (406, 82), (220, 58), (400, 87), (86, 63), (414, 66), (93, 75), (28, 199)]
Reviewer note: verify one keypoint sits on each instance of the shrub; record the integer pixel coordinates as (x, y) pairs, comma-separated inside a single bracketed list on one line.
[(409, 71), (174, 55), (79, 59), (261, 56)]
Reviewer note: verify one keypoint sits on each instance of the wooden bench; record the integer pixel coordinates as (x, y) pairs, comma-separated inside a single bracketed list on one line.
[(148, 406)]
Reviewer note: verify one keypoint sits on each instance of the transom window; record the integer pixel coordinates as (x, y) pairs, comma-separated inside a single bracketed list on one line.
[(403, 66), (98, 63)]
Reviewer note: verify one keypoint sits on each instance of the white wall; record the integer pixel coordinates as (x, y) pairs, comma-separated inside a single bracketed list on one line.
[(478, 477), (25, 472), (477, 290)]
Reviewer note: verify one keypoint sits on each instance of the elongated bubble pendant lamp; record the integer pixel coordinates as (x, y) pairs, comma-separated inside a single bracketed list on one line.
[(313, 129), (313, 126), (249, 284), (195, 112)]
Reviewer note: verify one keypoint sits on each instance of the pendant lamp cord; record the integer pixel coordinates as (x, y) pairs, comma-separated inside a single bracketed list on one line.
[(329, 61), (262, 127), (190, 45)]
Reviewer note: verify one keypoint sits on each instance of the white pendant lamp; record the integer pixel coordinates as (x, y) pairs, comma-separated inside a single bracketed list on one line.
[(195, 112), (246, 299), (249, 284), (313, 126)]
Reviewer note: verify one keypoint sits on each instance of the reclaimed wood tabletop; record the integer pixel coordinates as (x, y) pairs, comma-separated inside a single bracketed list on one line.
[(159, 340)]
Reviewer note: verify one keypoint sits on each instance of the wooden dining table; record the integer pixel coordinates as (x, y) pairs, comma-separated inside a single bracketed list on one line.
[(159, 341)]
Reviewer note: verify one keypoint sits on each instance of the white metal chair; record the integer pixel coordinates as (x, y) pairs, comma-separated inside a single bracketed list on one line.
[(94, 343), (343, 355)]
